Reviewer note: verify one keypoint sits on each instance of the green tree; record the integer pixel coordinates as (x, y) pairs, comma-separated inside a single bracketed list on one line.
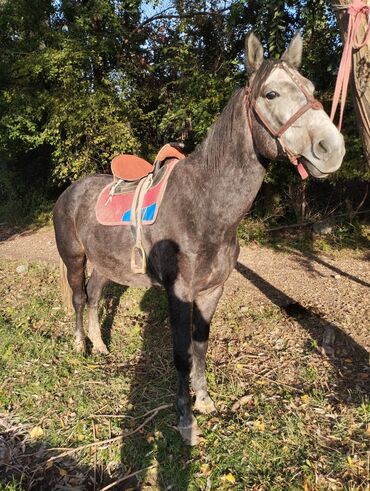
[(62, 113)]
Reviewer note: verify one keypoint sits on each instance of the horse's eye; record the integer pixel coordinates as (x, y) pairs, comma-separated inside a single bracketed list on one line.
[(272, 95)]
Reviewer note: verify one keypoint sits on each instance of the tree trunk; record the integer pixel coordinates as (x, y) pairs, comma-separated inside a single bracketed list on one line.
[(297, 195), (360, 76)]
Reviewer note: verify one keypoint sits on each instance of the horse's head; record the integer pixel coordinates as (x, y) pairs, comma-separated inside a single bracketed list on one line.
[(285, 118)]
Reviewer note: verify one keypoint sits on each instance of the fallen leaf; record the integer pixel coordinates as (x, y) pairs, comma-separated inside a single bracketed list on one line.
[(36, 432), (259, 425), (305, 399), (241, 402), (229, 478), (63, 472), (205, 469), (150, 438)]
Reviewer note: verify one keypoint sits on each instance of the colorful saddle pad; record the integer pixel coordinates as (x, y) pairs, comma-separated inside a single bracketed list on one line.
[(115, 201)]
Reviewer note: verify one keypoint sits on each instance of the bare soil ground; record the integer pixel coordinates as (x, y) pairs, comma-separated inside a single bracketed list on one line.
[(28, 245)]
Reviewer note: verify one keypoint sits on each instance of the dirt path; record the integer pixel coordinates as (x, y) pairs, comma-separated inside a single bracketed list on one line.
[(337, 287), (29, 245)]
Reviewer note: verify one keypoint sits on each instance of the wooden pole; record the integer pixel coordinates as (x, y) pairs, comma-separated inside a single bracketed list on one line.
[(360, 75)]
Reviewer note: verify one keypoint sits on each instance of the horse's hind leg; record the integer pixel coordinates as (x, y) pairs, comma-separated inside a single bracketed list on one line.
[(94, 290), (204, 308), (76, 279)]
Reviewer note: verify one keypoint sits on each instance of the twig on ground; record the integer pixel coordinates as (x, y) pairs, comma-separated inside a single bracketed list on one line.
[(279, 384), (110, 436), (118, 416), (127, 416), (95, 455), (124, 478), (250, 355), (69, 451), (116, 365)]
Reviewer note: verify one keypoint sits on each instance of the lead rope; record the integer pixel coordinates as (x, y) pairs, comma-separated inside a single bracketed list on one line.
[(136, 225), (355, 12)]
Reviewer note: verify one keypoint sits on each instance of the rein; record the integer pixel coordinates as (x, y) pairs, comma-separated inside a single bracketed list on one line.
[(312, 103)]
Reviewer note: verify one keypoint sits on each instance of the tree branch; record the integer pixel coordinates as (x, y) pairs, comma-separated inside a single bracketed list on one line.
[(162, 15)]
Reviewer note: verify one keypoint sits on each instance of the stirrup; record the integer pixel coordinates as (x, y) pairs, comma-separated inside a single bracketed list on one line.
[(135, 268)]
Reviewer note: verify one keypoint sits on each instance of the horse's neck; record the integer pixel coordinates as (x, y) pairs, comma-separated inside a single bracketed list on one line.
[(230, 172)]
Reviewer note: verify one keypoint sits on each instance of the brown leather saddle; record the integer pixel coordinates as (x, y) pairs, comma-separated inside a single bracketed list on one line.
[(135, 195), (132, 168)]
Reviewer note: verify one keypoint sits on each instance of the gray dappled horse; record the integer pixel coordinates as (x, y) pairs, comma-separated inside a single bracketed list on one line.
[(192, 247)]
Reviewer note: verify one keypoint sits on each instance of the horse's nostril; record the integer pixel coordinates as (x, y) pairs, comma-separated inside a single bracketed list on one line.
[(322, 147)]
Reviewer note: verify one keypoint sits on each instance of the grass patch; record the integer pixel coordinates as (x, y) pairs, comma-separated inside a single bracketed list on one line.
[(345, 235), (279, 426)]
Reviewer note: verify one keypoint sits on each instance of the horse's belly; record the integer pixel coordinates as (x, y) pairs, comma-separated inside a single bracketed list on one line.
[(108, 249), (125, 278)]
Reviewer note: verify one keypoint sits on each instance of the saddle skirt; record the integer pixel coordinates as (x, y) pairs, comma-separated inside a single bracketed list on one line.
[(114, 205)]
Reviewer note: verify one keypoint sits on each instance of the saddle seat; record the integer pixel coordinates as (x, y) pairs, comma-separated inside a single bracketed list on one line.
[(132, 168)]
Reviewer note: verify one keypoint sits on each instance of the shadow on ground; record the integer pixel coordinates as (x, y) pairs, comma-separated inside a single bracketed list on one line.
[(349, 359), (26, 465), (8, 233), (308, 261), (154, 455)]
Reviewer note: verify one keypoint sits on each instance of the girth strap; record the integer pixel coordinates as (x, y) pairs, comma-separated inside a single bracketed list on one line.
[(138, 251)]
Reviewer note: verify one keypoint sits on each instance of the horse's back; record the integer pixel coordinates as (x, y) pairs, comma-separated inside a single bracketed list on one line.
[(80, 192)]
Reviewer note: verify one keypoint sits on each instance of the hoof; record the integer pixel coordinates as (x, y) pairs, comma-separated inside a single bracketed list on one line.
[(191, 434), (100, 349), (205, 405), (80, 347)]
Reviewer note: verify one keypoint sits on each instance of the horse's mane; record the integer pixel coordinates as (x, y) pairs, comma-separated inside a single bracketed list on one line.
[(216, 146), (211, 151)]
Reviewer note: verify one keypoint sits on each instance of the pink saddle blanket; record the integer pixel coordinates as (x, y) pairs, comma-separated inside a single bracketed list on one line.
[(114, 204)]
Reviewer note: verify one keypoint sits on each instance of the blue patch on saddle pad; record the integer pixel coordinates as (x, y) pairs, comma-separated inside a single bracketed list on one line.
[(148, 213)]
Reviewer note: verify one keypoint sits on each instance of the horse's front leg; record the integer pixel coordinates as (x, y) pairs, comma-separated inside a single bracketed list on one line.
[(181, 322), (204, 307)]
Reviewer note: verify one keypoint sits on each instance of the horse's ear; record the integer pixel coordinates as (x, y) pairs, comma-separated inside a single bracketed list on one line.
[(293, 53), (253, 53)]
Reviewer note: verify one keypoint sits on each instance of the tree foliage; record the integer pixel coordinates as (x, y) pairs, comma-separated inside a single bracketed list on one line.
[(82, 80)]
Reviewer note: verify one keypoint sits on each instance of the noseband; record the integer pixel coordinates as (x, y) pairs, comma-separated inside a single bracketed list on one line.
[(311, 103)]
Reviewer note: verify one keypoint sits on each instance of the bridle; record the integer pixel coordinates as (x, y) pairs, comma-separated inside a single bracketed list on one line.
[(312, 103)]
